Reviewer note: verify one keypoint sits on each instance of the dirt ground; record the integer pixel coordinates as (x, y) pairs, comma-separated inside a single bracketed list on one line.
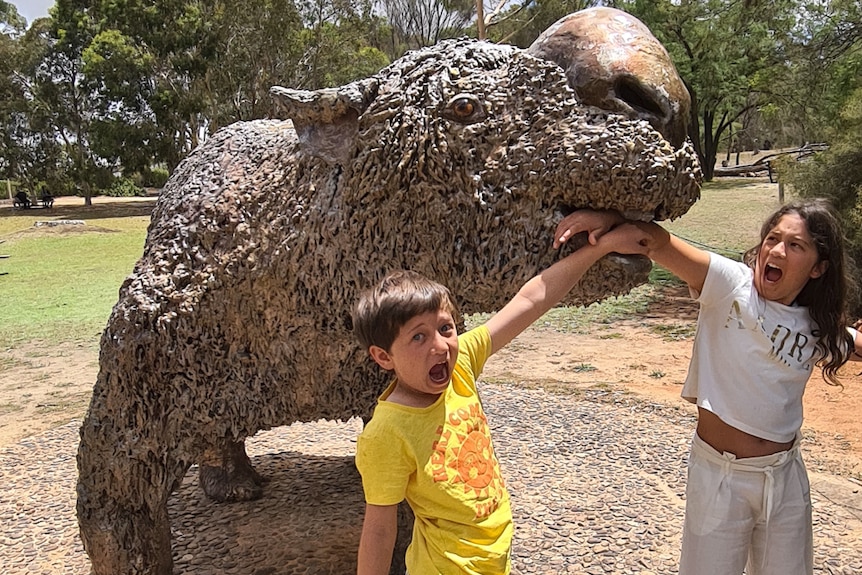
[(41, 388)]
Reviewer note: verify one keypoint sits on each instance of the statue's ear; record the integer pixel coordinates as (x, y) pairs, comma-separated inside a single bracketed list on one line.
[(326, 121)]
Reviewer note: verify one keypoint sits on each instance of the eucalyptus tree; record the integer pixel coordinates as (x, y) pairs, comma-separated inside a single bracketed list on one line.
[(164, 75), (825, 67), (10, 20), (256, 45), (61, 110), (140, 61), (13, 101), (829, 76), (31, 153), (341, 40)]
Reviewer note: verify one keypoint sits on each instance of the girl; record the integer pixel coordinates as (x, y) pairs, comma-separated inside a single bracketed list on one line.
[(763, 326)]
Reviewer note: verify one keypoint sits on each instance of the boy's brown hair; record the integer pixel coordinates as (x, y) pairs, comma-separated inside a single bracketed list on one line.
[(382, 311)]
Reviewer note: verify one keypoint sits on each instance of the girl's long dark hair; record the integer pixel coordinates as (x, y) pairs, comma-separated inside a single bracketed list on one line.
[(825, 296)]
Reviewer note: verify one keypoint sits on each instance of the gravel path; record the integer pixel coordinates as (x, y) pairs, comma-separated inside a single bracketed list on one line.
[(597, 482)]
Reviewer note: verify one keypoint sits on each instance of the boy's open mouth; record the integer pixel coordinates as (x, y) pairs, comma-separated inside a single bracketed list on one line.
[(772, 273), (439, 373)]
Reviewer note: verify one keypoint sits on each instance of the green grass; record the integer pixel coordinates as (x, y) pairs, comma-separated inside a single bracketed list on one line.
[(674, 331), (728, 216), (62, 286)]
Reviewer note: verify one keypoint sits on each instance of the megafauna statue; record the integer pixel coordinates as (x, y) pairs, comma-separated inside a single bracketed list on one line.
[(456, 161)]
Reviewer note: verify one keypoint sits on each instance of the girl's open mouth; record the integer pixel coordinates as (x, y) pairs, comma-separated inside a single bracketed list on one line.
[(772, 273)]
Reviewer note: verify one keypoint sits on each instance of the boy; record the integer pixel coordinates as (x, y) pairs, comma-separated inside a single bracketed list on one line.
[(428, 441)]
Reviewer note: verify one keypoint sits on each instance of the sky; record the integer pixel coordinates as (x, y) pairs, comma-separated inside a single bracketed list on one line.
[(32, 9)]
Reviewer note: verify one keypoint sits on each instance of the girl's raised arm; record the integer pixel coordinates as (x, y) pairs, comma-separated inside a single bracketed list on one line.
[(685, 261)]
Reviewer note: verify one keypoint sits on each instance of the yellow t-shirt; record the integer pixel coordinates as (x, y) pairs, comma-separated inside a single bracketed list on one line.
[(441, 460)]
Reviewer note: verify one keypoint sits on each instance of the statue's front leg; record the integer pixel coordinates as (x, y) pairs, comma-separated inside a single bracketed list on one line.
[(122, 502), (123, 541), (226, 473)]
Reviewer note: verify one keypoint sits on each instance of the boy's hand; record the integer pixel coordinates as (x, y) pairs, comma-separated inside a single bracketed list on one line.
[(595, 223)]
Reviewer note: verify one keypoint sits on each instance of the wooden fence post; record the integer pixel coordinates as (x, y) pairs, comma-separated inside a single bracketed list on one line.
[(3, 257)]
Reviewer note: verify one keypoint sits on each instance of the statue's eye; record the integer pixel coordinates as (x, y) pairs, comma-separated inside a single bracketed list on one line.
[(464, 109)]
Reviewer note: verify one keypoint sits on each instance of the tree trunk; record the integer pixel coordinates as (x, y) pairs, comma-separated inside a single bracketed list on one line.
[(480, 19), (708, 153)]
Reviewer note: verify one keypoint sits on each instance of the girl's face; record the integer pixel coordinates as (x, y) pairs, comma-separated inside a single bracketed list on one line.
[(786, 261)]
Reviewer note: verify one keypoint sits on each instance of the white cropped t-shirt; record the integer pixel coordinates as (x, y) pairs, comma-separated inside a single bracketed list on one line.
[(752, 357)]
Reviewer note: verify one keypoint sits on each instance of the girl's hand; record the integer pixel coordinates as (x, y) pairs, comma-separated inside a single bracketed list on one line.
[(627, 238), (595, 223)]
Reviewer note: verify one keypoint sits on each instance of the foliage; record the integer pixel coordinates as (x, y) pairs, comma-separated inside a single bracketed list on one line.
[(61, 97), (837, 174), (163, 76), (829, 71), (155, 178), (103, 86), (29, 148), (823, 67), (418, 23), (342, 41), (124, 187), (10, 20)]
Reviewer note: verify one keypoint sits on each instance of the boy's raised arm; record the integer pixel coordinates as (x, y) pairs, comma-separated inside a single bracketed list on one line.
[(379, 529), (545, 290)]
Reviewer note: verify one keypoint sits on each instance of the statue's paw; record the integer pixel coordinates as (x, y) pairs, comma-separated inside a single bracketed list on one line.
[(244, 491), (224, 487)]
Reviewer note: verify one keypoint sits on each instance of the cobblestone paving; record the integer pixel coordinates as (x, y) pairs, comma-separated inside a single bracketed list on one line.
[(597, 483)]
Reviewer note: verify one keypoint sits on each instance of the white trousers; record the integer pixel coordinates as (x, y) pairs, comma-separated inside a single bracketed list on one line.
[(752, 513)]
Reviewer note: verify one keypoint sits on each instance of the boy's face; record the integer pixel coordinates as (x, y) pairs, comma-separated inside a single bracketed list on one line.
[(423, 355)]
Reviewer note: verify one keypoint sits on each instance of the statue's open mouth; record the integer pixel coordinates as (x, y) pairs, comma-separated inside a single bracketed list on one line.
[(632, 262), (638, 215)]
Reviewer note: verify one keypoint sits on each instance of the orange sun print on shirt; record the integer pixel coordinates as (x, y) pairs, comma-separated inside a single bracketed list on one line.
[(474, 462), (464, 457)]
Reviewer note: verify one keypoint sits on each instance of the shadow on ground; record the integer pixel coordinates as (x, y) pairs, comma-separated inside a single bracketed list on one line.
[(308, 521), (99, 210)]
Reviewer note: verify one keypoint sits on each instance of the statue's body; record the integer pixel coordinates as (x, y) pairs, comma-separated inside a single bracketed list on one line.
[(456, 161)]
